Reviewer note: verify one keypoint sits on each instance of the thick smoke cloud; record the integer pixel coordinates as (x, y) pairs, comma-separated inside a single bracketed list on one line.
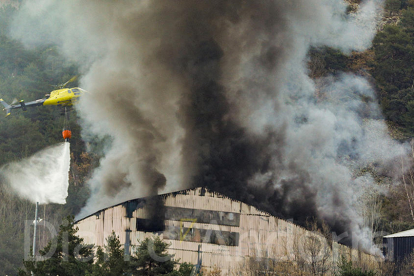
[(217, 94)]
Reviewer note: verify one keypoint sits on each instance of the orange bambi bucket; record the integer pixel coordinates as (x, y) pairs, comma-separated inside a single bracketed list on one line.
[(67, 134)]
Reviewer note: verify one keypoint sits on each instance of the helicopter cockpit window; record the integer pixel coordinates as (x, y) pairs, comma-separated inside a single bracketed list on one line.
[(76, 91), (69, 91)]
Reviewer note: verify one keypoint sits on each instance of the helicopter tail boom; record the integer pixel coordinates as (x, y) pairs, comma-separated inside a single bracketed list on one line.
[(7, 107)]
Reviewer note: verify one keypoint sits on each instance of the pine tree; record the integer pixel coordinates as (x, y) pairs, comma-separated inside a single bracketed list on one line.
[(71, 257), (111, 263), (346, 268), (151, 258)]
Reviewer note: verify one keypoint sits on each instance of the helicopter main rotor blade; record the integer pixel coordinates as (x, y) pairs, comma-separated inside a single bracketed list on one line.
[(69, 81)]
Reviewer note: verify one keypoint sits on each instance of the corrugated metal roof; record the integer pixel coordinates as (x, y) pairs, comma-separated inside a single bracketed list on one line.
[(407, 233), (201, 190)]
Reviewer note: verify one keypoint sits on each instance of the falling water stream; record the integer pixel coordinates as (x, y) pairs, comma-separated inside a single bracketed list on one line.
[(43, 177)]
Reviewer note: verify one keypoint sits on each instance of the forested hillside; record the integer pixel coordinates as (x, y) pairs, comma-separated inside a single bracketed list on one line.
[(31, 73), (393, 70), (388, 65)]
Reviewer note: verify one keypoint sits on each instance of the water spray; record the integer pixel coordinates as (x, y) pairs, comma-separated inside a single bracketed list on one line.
[(43, 177)]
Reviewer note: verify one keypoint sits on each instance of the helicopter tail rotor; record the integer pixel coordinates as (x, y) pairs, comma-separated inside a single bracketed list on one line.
[(7, 107)]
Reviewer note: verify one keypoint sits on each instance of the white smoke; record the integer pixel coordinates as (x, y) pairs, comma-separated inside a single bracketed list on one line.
[(43, 177)]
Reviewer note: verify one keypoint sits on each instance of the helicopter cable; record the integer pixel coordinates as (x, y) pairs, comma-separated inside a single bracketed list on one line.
[(67, 134)]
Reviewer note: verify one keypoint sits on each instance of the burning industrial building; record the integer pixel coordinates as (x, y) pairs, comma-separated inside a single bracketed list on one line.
[(221, 232)]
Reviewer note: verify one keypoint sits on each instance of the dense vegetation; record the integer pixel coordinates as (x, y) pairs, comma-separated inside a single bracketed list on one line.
[(30, 73), (393, 70)]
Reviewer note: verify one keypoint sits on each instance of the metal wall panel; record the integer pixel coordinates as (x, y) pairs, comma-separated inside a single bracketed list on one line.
[(398, 248)]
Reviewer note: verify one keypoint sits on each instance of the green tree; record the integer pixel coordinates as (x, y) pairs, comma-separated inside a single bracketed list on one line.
[(394, 6), (66, 255), (97, 267), (185, 269), (407, 21), (394, 55), (111, 263), (346, 268), (151, 258), (327, 61), (8, 256), (393, 70)]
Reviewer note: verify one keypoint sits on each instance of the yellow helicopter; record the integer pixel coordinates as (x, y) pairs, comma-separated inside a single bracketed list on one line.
[(64, 97)]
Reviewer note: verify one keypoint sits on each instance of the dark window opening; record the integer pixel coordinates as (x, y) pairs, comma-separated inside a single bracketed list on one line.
[(150, 225), (202, 235), (202, 216)]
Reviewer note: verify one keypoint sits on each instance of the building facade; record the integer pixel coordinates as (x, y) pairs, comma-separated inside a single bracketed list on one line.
[(232, 234)]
